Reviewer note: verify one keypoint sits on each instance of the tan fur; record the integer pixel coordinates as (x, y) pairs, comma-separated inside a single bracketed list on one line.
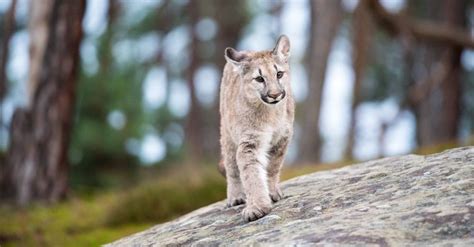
[(254, 133)]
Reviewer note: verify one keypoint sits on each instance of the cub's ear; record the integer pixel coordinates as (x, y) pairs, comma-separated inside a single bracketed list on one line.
[(235, 57), (282, 48)]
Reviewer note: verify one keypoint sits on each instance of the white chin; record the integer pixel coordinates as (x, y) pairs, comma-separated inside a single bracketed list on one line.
[(271, 101)]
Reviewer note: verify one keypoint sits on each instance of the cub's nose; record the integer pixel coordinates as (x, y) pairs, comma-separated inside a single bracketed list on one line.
[(274, 95)]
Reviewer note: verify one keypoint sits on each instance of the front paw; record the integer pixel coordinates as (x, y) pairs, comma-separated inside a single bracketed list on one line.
[(276, 194), (254, 212), (235, 201)]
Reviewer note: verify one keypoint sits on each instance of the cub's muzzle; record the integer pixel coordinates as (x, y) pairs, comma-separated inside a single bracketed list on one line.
[(273, 98)]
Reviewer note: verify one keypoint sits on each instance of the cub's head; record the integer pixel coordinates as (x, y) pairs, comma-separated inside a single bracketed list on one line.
[(265, 74)]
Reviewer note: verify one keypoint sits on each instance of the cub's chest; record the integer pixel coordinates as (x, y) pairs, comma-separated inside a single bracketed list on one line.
[(282, 132)]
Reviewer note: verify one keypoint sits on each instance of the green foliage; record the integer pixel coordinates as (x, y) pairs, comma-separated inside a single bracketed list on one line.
[(101, 219), (166, 199), (97, 146), (99, 154), (75, 223)]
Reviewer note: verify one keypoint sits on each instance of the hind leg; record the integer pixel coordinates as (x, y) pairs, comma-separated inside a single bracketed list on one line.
[(235, 194)]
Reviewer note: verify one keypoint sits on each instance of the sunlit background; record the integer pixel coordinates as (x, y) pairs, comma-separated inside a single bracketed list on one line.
[(150, 72), (137, 44)]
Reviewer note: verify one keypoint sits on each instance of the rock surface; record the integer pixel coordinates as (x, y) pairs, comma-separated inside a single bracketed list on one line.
[(409, 200)]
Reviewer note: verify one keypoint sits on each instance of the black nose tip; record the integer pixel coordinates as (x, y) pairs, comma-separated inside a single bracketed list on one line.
[(274, 95)]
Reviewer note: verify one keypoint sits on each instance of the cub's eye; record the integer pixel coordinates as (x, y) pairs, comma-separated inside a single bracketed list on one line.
[(280, 74), (259, 79)]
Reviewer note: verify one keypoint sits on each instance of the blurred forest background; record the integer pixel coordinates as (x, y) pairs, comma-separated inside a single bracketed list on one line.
[(109, 108)]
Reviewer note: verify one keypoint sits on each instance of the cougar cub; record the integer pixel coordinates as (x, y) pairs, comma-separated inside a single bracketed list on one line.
[(257, 112)]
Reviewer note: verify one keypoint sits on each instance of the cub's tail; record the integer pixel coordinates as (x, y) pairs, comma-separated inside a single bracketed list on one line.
[(221, 168)]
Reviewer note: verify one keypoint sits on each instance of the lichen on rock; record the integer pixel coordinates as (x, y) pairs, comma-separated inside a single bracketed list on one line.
[(407, 200)]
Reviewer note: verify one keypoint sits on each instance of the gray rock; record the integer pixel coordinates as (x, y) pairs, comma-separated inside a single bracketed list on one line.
[(409, 201)]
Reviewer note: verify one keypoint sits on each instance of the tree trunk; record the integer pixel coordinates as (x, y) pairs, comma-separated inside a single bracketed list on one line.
[(5, 42), (438, 108), (435, 93), (37, 161), (193, 127), (113, 12), (326, 17), (361, 35)]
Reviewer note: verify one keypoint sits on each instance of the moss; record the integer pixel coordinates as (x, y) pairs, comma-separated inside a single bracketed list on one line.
[(295, 171), (73, 223), (168, 198), (432, 149)]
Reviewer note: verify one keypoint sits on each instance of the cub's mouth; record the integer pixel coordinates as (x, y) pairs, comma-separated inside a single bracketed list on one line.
[(273, 99)]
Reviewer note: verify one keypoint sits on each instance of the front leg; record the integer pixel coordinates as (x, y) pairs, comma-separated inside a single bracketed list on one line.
[(252, 161), (277, 156)]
